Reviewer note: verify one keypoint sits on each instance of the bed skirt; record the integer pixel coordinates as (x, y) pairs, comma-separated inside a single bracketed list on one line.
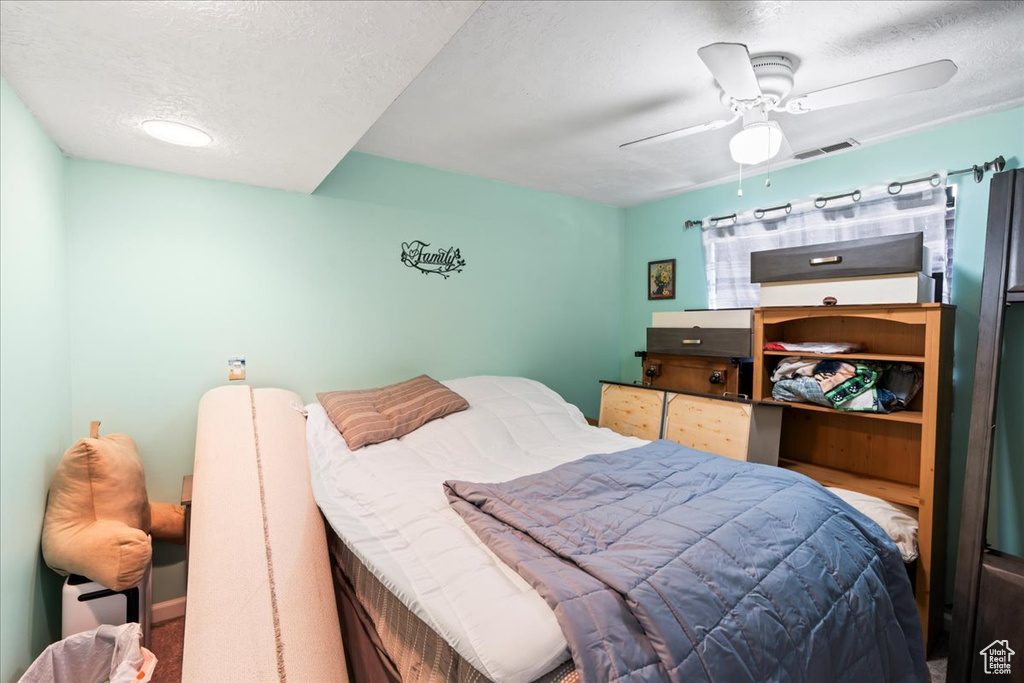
[(386, 642)]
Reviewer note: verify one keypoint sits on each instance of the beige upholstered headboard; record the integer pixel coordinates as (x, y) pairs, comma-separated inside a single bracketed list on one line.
[(260, 599)]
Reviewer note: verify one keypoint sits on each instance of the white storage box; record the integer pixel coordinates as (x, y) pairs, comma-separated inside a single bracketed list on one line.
[(86, 605), (728, 318), (903, 288)]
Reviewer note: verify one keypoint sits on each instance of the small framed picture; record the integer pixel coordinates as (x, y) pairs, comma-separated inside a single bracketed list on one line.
[(661, 279)]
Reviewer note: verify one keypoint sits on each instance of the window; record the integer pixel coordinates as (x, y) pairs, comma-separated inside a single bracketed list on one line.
[(727, 249)]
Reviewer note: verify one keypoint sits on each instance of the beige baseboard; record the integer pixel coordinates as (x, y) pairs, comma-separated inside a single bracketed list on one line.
[(169, 609)]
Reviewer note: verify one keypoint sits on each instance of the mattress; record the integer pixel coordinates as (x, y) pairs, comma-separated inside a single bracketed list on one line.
[(385, 502)]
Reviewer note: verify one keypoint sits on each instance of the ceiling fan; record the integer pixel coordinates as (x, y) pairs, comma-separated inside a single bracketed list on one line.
[(753, 87)]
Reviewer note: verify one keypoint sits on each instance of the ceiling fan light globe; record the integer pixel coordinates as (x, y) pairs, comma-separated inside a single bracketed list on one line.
[(756, 143)]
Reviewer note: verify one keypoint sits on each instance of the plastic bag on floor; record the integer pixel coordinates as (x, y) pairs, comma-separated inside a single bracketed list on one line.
[(108, 653)]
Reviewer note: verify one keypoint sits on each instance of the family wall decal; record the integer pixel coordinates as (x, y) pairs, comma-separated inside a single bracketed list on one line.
[(444, 262)]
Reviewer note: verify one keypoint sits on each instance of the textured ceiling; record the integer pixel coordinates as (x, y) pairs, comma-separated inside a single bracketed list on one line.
[(541, 94), (538, 94), (285, 88)]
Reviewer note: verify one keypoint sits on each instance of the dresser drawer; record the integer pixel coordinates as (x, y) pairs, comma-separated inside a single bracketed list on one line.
[(851, 258), (906, 288), (713, 375), (700, 341), (732, 318)]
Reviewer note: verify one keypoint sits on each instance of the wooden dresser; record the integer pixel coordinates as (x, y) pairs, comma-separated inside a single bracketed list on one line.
[(701, 351), (736, 428), (902, 457)]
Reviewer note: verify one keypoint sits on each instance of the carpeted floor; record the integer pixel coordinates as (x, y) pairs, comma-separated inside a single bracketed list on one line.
[(166, 639), (939, 658)]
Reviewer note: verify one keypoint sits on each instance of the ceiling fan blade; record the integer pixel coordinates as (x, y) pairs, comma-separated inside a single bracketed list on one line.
[(921, 77), (729, 63), (681, 133)]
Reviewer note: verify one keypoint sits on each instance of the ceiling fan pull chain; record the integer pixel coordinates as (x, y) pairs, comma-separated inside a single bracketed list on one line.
[(739, 193), (768, 181)]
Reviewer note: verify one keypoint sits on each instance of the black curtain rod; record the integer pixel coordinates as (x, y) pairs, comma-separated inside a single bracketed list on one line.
[(997, 164), (895, 187)]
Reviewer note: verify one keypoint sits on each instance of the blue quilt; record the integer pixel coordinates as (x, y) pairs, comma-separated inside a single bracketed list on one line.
[(666, 563)]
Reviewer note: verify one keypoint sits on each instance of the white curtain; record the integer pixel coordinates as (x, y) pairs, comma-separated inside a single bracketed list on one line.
[(917, 208)]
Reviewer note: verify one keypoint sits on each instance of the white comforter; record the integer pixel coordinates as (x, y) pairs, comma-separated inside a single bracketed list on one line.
[(386, 502)]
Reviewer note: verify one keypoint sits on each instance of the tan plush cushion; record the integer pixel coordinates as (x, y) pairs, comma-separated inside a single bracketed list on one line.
[(371, 416), (97, 514), (168, 522)]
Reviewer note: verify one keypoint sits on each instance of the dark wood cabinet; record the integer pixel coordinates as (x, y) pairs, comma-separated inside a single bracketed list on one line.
[(1015, 274), (989, 588)]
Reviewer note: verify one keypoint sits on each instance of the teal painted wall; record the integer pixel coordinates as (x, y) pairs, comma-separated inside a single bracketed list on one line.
[(172, 275), (35, 376), (654, 231)]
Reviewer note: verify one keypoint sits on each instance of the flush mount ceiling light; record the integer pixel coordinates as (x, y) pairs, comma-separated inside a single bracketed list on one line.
[(756, 143), (176, 133)]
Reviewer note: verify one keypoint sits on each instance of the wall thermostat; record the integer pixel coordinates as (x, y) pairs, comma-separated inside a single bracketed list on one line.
[(236, 368)]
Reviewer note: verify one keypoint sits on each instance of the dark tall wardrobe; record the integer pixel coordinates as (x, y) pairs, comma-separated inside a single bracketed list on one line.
[(988, 608)]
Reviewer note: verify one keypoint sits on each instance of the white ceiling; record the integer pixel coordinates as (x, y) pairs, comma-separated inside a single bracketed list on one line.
[(542, 93), (535, 93), (285, 88)]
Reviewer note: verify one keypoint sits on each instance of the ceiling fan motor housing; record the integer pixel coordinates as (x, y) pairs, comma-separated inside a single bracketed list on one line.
[(774, 75)]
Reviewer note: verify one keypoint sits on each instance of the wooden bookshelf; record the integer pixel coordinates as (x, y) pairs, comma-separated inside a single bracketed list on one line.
[(911, 416), (892, 491), (846, 356), (902, 457)]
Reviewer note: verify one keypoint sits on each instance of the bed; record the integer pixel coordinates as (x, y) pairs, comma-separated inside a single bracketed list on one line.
[(420, 596)]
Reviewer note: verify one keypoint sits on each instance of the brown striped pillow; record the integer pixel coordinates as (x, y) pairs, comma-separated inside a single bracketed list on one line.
[(369, 416)]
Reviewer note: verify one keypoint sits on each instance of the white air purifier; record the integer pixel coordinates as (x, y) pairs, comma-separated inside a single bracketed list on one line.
[(87, 605)]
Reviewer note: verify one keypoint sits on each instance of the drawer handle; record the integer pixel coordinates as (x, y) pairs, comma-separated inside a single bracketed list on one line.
[(824, 260), (691, 341)]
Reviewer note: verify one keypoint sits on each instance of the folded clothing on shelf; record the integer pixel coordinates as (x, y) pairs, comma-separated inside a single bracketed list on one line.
[(814, 347), (855, 386)]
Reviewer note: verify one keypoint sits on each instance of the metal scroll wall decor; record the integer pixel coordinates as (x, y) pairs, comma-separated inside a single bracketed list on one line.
[(444, 262)]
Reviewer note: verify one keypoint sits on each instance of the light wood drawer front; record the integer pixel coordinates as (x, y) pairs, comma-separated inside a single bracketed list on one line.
[(851, 258), (699, 341), (632, 410), (709, 425), (737, 429)]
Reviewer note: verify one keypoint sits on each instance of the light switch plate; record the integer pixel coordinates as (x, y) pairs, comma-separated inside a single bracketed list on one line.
[(236, 368)]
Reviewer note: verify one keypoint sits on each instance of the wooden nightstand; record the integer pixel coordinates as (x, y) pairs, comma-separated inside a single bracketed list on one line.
[(186, 502)]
